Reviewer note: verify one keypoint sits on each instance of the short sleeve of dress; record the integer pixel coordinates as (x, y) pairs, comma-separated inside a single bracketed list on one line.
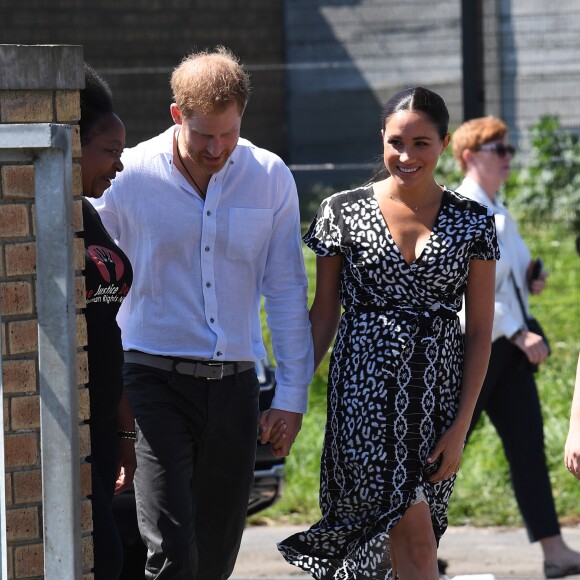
[(324, 234), (486, 246)]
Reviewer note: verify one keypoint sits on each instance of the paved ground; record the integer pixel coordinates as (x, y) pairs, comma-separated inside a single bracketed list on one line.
[(471, 553)]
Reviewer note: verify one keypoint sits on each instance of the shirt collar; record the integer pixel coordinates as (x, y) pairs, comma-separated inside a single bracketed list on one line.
[(478, 194)]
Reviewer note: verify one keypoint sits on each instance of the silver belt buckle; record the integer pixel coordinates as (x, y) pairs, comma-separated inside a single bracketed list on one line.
[(221, 373)]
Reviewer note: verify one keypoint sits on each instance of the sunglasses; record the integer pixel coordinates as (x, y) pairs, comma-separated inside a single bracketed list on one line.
[(499, 148)]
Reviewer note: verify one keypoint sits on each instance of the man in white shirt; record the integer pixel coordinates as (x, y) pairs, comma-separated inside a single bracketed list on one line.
[(509, 394), (211, 225)]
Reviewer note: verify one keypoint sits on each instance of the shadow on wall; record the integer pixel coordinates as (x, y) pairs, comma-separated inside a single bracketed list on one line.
[(345, 58), (333, 114), (320, 68)]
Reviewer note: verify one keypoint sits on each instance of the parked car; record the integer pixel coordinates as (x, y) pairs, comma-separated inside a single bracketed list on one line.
[(268, 485)]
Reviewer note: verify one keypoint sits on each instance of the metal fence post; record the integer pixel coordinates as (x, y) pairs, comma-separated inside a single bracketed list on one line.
[(49, 147)]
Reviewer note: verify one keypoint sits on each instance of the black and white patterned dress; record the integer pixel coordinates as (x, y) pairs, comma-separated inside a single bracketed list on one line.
[(394, 380)]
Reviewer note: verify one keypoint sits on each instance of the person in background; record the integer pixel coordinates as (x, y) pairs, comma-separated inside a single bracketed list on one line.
[(509, 394), (108, 277), (397, 255), (211, 224), (572, 447)]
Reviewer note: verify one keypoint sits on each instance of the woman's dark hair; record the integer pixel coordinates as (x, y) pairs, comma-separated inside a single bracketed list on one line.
[(423, 101), (417, 99), (96, 100)]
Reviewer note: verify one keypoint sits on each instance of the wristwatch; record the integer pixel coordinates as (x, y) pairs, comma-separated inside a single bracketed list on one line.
[(516, 334)]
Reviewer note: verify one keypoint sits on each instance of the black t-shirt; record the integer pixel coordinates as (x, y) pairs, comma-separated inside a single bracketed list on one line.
[(108, 278)]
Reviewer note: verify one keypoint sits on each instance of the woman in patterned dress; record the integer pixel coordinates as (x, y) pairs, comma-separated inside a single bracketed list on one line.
[(397, 255)]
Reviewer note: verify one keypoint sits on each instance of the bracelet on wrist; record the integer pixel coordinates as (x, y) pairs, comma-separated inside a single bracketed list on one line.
[(127, 434)]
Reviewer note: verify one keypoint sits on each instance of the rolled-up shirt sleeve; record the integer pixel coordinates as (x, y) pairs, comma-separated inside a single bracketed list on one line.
[(285, 290)]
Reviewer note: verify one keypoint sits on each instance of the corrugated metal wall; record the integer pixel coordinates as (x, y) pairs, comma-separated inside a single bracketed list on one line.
[(345, 57), (321, 68), (540, 63)]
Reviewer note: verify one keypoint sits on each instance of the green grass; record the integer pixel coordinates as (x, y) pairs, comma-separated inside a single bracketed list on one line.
[(483, 494)]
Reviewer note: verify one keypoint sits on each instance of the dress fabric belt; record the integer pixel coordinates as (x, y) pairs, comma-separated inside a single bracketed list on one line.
[(204, 369), (424, 317)]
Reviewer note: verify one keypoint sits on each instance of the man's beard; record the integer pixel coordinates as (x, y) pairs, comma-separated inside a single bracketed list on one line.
[(199, 159)]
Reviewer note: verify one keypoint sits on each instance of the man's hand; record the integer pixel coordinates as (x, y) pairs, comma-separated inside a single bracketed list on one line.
[(280, 429)]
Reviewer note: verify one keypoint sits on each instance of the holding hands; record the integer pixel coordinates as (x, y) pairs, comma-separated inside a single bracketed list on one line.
[(280, 429)]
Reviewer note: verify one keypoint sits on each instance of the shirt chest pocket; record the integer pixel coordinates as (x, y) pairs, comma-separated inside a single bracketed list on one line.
[(249, 229)]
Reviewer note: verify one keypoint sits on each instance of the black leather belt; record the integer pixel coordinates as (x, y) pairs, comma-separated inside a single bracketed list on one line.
[(213, 371)]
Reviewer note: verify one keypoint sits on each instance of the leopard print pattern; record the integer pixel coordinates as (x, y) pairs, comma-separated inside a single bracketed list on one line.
[(394, 378)]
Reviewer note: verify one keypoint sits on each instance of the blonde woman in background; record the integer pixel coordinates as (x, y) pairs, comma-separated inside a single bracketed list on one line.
[(509, 394)]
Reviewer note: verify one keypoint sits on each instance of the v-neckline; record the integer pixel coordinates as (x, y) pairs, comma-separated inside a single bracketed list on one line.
[(429, 238)]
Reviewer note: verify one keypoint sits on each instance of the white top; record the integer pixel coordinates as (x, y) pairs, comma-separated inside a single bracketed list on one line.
[(201, 267), (515, 256)]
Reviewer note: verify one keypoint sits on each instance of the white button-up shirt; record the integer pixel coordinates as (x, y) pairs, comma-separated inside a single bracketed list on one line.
[(515, 257), (201, 267)]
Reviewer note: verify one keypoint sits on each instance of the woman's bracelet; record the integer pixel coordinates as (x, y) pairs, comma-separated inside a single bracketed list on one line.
[(516, 334), (127, 434)]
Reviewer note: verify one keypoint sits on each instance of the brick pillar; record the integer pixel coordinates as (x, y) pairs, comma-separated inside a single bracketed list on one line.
[(38, 84)]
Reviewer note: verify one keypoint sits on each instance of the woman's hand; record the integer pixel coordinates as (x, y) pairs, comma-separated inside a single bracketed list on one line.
[(533, 346), (572, 447), (126, 465), (126, 460), (449, 449), (536, 285), (572, 452)]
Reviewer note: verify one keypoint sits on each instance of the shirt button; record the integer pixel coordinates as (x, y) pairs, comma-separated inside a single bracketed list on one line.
[(208, 284), (212, 320), (208, 212), (218, 353), (206, 248)]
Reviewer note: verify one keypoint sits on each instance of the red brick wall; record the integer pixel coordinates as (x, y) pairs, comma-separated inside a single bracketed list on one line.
[(41, 104)]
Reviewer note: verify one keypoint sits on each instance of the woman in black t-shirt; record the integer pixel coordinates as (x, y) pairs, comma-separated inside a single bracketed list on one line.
[(108, 277)]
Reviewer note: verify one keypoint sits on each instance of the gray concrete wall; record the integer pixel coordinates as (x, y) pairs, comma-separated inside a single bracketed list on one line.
[(321, 68), (540, 43), (346, 58)]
